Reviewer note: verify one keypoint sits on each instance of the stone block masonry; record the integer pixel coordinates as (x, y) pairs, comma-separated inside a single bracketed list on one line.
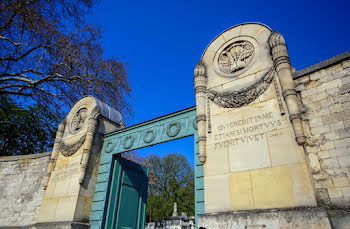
[(324, 92), (21, 188)]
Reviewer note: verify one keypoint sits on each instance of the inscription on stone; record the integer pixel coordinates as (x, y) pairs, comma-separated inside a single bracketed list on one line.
[(63, 173), (244, 131)]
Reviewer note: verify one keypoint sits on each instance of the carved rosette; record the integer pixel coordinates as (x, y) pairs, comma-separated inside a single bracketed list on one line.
[(235, 99), (77, 123), (281, 63), (78, 120), (235, 56), (200, 87)]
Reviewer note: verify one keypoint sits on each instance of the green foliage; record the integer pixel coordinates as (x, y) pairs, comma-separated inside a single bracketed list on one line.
[(171, 180), (25, 130)]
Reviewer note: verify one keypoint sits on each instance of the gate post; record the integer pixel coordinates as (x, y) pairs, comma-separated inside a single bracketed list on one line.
[(72, 172)]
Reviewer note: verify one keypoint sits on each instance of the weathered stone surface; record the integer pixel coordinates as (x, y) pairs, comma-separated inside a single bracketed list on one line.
[(303, 218), (251, 136), (328, 122), (21, 188), (73, 168), (59, 225), (340, 219)]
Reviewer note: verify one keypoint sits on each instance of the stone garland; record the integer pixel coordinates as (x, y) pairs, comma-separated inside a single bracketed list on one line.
[(235, 99), (70, 149)]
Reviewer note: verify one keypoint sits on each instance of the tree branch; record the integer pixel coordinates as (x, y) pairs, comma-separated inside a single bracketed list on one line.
[(15, 12), (24, 54), (12, 42)]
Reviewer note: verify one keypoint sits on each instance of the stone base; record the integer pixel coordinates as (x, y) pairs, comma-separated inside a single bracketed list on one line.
[(340, 219), (58, 225), (301, 218)]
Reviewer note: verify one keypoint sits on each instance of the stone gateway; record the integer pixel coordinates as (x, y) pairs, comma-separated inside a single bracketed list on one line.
[(272, 148), (253, 135)]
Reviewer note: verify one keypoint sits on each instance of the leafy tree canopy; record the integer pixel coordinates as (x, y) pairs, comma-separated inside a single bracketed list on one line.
[(171, 180), (25, 131), (51, 55)]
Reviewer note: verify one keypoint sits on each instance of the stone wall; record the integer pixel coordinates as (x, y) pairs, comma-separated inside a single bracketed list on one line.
[(21, 188), (324, 90)]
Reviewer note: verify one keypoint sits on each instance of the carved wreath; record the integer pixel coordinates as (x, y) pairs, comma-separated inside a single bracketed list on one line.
[(234, 99), (128, 142), (149, 136), (172, 133), (70, 149)]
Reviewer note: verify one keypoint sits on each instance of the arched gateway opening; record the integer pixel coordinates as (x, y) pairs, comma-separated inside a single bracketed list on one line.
[(121, 188)]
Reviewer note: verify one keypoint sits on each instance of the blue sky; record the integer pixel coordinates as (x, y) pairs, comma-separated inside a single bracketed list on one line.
[(163, 40)]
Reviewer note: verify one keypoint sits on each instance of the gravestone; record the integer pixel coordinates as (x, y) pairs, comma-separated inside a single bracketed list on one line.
[(72, 172), (251, 136)]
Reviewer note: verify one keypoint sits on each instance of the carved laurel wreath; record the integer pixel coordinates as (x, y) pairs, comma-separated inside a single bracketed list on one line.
[(109, 147), (128, 144), (150, 133), (171, 133), (234, 99), (70, 149)]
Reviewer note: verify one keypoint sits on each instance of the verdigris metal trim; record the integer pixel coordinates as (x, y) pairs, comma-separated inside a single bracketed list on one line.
[(147, 139), (171, 133), (116, 142)]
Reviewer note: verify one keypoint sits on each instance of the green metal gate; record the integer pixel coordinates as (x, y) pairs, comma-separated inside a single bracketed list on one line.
[(163, 129), (128, 195)]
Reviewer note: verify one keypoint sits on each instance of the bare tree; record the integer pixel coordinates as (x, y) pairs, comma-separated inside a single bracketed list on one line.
[(49, 53)]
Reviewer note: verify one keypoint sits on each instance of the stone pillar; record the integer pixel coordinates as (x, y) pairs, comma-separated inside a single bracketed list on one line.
[(255, 172), (200, 87), (54, 154), (284, 72), (72, 172)]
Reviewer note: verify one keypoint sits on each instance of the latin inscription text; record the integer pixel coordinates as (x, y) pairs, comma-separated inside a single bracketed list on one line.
[(245, 130)]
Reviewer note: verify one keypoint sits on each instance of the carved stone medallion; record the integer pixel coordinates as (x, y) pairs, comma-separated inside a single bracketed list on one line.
[(78, 120), (235, 56)]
